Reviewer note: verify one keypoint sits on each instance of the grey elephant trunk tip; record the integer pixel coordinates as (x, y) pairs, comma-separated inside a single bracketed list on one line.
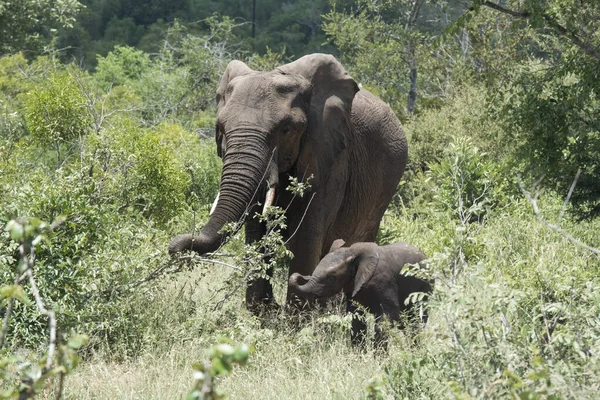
[(177, 244), (301, 285), (201, 244)]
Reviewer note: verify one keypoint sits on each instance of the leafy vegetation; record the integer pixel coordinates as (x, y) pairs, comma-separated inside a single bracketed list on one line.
[(500, 105)]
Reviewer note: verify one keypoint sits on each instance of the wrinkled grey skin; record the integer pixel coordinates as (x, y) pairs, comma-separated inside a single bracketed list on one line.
[(369, 275), (304, 119)]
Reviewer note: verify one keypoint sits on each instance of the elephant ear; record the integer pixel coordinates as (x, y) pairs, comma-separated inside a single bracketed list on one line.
[(234, 68), (336, 245), (366, 264), (329, 113)]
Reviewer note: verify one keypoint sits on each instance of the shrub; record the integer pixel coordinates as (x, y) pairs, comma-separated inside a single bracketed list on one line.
[(56, 111), (121, 66), (88, 269), (512, 313), (142, 173), (464, 180), (465, 113), (12, 82), (550, 110)]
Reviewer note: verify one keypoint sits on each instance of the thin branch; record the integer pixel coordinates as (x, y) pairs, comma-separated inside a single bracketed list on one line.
[(11, 303), (564, 207), (30, 260), (555, 228), (51, 317), (414, 14), (549, 330), (586, 47), (228, 295), (210, 260), (61, 385), (7, 316), (302, 219), (504, 10)]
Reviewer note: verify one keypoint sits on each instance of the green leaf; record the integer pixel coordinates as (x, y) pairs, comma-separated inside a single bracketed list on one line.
[(224, 349), (75, 342), (198, 367), (16, 230), (14, 292), (220, 367), (241, 354)]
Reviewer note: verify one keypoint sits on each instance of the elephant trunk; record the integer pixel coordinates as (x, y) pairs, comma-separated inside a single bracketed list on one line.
[(244, 180), (306, 287)]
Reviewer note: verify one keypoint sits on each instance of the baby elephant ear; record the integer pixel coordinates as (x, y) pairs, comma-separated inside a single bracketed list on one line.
[(367, 259), (336, 245)]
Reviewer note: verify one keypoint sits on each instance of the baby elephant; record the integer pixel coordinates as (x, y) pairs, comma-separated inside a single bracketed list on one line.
[(369, 275)]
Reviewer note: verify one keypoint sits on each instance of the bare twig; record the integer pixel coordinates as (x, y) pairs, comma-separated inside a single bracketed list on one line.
[(228, 295), (61, 383), (555, 228), (302, 219), (548, 329), (51, 317), (209, 260), (11, 304), (564, 207), (586, 47), (9, 309)]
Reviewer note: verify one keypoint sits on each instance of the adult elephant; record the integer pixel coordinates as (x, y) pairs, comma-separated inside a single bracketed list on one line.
[(304, 119)]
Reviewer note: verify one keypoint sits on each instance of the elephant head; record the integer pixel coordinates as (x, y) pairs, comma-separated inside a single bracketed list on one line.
[(346, 269), (292, 120)]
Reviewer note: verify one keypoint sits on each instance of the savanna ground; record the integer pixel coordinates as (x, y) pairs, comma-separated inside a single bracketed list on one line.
[(501, 192)]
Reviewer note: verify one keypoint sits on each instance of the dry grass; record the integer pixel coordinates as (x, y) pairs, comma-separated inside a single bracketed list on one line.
[(290, 362), (331, 372)]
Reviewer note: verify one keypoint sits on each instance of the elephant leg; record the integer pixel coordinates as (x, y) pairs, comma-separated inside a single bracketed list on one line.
[(311, 219), (358, 333), (306, 243), (259, 291), (307, 255)]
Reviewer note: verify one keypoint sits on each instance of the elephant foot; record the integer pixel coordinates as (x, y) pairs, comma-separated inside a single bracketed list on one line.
[(259, 296)]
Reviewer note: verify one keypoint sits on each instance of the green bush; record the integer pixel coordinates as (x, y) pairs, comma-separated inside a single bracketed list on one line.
[(12, 81), (459, 137), (464, 180), (56, 111), (466, 113), (514, 309), (142, 173), (121, 66), (198, 156), (551, 112), (87, 268)]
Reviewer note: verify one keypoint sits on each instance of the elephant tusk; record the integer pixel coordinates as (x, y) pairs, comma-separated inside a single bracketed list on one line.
[(269, 198), (214, 205)]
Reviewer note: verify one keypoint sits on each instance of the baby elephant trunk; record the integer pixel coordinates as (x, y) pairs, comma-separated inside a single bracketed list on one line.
[(306, 287)]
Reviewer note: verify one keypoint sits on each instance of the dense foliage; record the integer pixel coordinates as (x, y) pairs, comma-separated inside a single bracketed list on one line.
[(500, 105)]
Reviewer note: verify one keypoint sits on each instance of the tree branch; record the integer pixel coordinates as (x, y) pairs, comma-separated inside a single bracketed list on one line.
[(586, 47), (11, 304), (504, 10), (564, 207), (555, 228)]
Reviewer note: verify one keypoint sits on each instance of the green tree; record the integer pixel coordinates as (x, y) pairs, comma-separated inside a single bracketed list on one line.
[(56, 111), (122, 65), (549, 103), (388, 48), (28, 24)]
